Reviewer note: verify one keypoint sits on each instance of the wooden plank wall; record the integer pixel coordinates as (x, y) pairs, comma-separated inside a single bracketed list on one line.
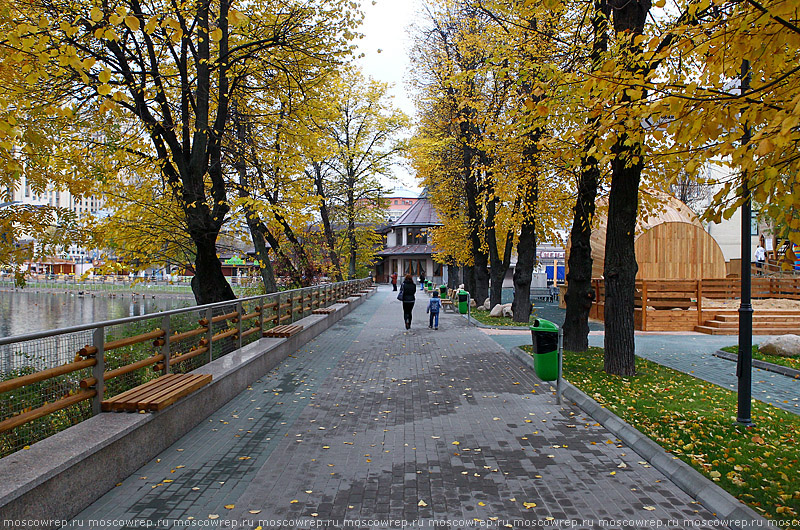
[(677, 305), (678, 250)]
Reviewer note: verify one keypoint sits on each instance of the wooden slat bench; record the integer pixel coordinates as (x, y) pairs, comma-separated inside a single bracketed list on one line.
[(448, 304), (284, 330), (157, 394), (324, 311), (343, 301)]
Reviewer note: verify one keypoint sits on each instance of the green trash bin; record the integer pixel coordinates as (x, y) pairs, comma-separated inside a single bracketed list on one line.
[(463, 302), (443, 291), (545, 349)]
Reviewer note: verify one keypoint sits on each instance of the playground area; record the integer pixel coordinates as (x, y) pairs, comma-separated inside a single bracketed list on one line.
[(711, 305)]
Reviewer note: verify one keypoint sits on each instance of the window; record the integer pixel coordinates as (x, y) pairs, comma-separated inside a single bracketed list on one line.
[(395, 201), (414, 267), (416, 236), (753, 223)]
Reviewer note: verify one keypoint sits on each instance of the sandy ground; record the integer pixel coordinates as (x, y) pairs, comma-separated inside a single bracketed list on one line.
[(772, 303)]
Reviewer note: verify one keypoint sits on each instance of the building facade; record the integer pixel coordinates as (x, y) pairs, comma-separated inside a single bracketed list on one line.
[(408, 248)]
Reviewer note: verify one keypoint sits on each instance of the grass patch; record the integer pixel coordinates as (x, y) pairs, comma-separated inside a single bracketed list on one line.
[(789, 362), (483, 317), (695, 420)]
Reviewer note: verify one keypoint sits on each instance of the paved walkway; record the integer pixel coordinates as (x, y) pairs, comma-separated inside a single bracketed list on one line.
[(691, 353), (370, 422)]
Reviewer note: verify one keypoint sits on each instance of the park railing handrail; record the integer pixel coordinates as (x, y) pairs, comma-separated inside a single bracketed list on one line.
[(229, 317)]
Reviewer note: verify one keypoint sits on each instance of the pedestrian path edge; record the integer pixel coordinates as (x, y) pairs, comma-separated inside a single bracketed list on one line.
[(757, 363), (714, 498)]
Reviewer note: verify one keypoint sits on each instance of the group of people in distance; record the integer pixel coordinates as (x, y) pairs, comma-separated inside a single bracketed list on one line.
[(407, 294)]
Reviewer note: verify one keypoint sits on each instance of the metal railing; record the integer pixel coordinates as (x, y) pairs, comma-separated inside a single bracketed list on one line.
[(51, 380)]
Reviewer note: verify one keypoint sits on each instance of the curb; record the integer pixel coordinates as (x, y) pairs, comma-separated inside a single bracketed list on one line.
[(763, 365), (724, 505)]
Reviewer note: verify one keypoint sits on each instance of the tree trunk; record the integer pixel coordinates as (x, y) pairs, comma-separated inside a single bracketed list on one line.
[(481, 274), (580, 294), (499, 264), (254, 223), (526, 254), (626, 169), (209, 284), (257, 234), (620, 264), (469, 278), (453, 274), (523, 272), (330, 239), (351, 228), (478, 273)]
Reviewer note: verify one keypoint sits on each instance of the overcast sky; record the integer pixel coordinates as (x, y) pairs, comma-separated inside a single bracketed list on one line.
[(385, 28)]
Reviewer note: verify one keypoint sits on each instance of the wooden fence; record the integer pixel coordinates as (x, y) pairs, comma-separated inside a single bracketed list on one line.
[(166, 350), (677, 305)]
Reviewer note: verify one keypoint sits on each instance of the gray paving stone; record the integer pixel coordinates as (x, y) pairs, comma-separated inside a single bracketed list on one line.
[(361, 423)]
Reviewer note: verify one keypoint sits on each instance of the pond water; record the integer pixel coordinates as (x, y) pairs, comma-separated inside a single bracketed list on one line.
[(29, 311)]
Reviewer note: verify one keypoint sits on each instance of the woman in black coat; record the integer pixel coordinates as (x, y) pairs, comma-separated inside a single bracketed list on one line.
[(406, 295)]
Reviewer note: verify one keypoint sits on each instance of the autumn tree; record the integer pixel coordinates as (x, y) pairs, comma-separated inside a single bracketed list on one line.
[(172, 71), (363, 132), (580, 293)]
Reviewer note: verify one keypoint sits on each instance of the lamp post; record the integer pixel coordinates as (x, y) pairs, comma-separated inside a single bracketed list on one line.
[(744, 364)]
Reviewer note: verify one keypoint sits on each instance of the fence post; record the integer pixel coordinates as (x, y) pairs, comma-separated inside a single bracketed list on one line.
[(98, 370), (165, 346), (699, 302), (291, 307), (240, 310), (644, 305), (261, 316), (210, 333)]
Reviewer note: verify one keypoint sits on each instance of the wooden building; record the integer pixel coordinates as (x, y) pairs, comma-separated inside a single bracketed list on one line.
[(670, 242)]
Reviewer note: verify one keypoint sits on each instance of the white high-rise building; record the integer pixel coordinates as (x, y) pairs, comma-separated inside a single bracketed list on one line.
[(61, 198)]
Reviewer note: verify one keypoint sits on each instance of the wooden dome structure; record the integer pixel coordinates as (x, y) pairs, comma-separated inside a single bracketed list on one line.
[(670, 241)]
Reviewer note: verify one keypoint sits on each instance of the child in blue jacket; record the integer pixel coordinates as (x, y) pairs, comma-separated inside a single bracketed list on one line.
[(434, 306)]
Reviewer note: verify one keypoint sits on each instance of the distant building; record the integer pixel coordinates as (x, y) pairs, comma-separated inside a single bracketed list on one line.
[(408, 249), (94, 206), (399, 201)]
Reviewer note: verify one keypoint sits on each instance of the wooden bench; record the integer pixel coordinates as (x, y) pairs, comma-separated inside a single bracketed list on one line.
[(324, 311), (448, 302), (284, 330), (157, 394), (343, 301)]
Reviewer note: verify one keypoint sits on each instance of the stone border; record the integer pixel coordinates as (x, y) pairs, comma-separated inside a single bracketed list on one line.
[(478, 324), (61, 475), (763, 365), (724, 505)]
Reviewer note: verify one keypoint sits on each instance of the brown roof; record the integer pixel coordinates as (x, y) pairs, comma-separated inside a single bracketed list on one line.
[(421, 213)]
